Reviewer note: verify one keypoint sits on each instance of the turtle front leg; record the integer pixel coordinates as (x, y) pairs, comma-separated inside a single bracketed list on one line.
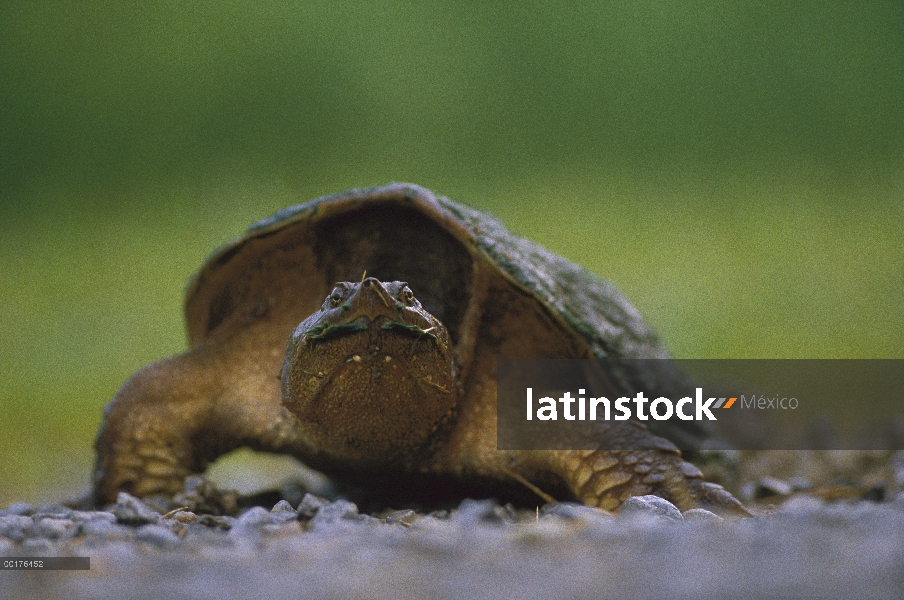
[(643, 464), (639, 463), (173, 417), (148, 441)]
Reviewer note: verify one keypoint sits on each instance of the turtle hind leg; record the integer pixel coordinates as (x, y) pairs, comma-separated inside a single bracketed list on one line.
[(607, 478)]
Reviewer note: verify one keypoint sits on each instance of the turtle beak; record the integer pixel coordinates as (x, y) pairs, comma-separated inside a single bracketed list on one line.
[(373, 300)]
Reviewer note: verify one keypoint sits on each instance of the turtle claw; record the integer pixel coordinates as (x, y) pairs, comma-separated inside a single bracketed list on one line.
[(716, 499)]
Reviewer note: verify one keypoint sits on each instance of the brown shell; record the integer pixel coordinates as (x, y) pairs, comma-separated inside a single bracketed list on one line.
[(404, 232)]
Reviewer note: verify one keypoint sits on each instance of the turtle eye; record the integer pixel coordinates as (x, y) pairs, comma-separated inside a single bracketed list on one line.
[(407, 295), (335, 298)]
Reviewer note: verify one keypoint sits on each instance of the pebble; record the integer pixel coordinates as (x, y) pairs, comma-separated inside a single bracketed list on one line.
[(185, 516), (802, 505), (650, 506), (202, 496), (310, 504), (405, 517), (19, 508), (283, 513), (93, 515), (52, 527), (257, 521), (129, 510), (216, 521), (573, 510), (53, 510), (15, 527), (334, 514), (251, 522), (106, 530), (770, 486), (283, 506), (482, 511), (156, 534), (701, 516)]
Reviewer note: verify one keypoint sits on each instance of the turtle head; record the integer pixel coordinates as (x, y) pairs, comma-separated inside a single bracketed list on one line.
[(370, 377)]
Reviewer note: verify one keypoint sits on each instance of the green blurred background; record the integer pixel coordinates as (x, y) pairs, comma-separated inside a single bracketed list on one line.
[(734, 167)]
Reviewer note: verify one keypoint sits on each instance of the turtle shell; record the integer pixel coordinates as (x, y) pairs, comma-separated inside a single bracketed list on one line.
[(404, 232), (464, 265)]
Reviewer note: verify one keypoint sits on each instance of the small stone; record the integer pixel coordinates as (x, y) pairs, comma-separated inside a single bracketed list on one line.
[(572, 510), (802, 505), (310, 504), (283, 517), (173, 525), (92, 515), (482, 511), (282, 506), (652, 506), (200, 537), (770, 486), (258, 520), (336, 513), (157, 535), (14, 527), (106, 530), (405, 517), (54, 528), (129, 510), (254, 516), (185, 516), (162, 504), (203, 497), (19, 508), (53, 510), (701, 516), (216, 521)]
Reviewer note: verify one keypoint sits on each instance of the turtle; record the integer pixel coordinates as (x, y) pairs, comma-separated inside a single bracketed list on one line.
[(360, 333)]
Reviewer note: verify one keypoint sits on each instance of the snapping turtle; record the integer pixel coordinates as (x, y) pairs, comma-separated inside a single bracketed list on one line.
[(383, 380)]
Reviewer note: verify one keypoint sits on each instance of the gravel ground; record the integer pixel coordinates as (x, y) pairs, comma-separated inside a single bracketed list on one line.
[(804, 548)]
